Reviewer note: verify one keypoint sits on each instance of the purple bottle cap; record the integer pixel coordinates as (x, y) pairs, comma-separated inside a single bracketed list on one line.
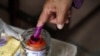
[(78, 3), (3, 41)]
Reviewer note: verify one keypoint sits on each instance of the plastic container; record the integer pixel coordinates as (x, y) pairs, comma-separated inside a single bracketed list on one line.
[(8, 41), (3, 40), (40, 47)]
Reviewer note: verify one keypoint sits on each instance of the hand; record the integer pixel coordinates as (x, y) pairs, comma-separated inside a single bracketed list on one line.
[(56, 12)]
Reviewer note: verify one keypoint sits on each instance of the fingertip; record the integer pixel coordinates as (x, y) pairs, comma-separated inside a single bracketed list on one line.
[(39, 24), (43, 18)]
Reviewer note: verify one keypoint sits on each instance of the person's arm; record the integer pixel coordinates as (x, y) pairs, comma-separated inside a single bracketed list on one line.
[(77, 3)]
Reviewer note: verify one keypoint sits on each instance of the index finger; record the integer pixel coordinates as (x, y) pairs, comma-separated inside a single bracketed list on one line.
[(43, 18)]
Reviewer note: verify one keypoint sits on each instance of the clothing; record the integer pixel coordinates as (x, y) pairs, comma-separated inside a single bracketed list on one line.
[(77, 3)]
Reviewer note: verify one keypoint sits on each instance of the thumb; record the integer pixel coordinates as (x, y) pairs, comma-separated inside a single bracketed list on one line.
[(43, 18)]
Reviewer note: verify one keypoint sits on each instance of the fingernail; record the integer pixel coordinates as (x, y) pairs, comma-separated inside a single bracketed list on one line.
[(60, 26)]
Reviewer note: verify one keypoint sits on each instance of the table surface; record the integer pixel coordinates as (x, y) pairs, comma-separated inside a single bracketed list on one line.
[(58, 48)]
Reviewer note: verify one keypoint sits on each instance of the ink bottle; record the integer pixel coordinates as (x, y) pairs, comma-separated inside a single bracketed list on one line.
[(36, 47)]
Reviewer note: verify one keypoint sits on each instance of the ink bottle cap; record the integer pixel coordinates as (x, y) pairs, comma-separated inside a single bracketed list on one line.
[(3, 39), (36, 42), (36, 45)]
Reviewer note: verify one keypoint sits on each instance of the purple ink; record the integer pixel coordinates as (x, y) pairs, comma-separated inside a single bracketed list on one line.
[(3, 41), (35, 36)]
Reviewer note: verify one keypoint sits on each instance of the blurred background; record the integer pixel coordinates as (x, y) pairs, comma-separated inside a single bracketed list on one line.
[(82, 31)]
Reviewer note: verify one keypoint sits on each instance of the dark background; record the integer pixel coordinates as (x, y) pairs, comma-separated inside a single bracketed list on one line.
[(83, 29)]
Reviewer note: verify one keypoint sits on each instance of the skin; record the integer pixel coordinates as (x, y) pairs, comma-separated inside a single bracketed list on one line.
[(55, 12)]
